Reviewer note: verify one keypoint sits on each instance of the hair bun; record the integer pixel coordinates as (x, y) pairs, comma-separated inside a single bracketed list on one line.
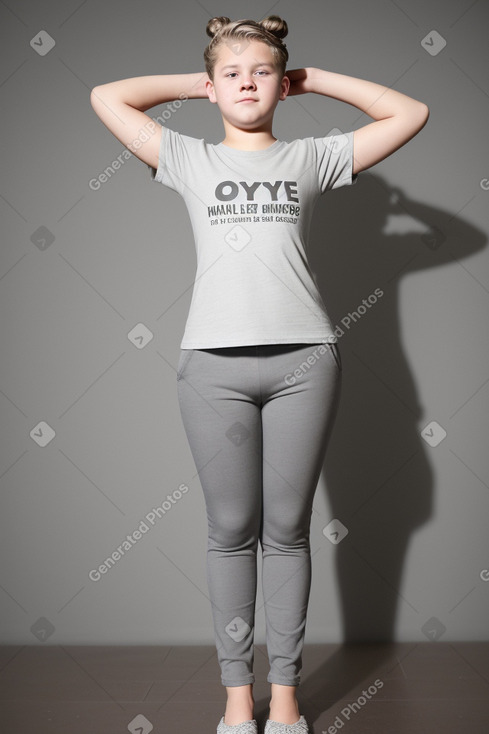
[(274, 24), (215, 25)]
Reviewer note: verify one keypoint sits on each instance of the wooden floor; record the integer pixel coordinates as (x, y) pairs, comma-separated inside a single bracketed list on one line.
[(398, 688)]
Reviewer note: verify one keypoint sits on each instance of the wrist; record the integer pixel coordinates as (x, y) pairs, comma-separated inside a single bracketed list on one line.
[(298, 80), (314, 78), (306, 81), (196, 85)]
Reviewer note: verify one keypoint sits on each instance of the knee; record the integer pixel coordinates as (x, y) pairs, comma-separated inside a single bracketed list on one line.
[(233, 533), (291, 534)]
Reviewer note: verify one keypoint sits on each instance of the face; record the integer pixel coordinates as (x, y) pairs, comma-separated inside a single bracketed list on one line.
[(251, 74)]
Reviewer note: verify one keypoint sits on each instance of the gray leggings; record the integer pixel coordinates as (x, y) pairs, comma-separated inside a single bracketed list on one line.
[(258, 420)]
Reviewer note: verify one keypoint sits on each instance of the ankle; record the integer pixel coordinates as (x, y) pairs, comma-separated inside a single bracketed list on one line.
[(239, 705), (236, 713), (284, 706)]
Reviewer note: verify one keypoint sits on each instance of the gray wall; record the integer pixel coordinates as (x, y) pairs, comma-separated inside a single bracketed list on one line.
[(81, 267)]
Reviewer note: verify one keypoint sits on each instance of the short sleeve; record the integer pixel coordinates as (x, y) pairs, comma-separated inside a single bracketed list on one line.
[(172, 160), (334, 156)]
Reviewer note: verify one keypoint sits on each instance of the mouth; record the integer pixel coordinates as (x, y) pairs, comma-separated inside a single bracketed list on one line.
[(247, 99)]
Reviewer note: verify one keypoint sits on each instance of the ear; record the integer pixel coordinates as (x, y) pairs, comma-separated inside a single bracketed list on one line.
[(211, 92), (284, 87)]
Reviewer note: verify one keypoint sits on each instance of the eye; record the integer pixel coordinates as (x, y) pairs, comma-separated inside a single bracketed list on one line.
[(262, 72)]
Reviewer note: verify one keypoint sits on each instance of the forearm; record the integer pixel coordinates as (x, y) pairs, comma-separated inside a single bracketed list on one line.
[(375, 100), (144, 92)]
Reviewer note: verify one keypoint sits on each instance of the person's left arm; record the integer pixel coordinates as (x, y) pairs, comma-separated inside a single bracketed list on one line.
[(398, 118)]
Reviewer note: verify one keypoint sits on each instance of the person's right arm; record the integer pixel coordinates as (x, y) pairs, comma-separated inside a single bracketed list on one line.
[(121, 105)]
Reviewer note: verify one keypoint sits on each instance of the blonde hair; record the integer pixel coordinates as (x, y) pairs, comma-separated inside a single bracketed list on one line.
[(270, 30)]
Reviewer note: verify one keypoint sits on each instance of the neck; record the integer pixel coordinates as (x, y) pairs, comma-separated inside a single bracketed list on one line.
[(248, 140)]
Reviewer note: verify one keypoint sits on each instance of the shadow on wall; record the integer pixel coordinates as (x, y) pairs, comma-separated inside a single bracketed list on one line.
[(377, 471)]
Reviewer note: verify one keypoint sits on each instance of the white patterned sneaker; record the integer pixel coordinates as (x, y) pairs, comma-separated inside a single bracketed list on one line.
[(246, 727), (275, 727)]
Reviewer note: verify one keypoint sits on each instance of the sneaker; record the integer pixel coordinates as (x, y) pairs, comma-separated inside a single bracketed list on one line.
[(246, 727), (275, 727)]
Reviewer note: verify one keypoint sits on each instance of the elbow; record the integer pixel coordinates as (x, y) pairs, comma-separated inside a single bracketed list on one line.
[(98, 90), (416, 117), (424, 114), (93, 95), (97, 95)]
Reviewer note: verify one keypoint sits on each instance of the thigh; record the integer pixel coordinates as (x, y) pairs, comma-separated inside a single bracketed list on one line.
[(297, 421), (223, 426)]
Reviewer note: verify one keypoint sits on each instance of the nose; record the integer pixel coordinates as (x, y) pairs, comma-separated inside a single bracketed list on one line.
[(248, 84)]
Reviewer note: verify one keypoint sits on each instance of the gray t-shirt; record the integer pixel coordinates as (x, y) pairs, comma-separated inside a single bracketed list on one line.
[(250, 213)]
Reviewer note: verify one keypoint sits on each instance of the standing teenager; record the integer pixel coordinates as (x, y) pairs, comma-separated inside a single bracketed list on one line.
[(259, 372)]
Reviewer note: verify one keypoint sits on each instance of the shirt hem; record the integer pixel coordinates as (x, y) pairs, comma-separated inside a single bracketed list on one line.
[(330, 339)]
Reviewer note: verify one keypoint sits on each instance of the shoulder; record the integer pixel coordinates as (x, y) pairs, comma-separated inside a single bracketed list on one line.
[(176, 137), (323, 143)]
